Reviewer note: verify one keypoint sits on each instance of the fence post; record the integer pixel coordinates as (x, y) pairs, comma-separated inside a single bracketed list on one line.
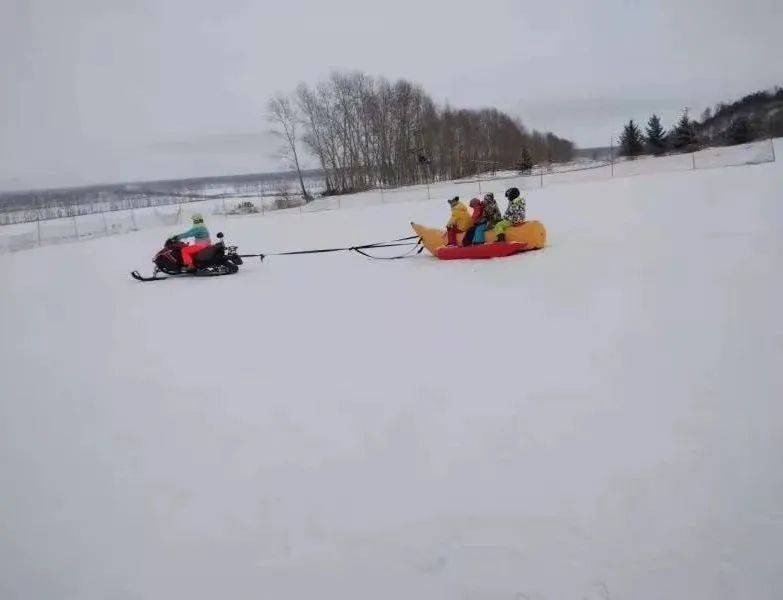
[(693, 160), (772, 145), (541, 176), (133, 220), (38, 228), (105, 226), (75, 228), (611, 154)]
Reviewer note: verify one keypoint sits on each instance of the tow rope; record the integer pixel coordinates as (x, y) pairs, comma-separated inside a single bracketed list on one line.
[(416, 248)]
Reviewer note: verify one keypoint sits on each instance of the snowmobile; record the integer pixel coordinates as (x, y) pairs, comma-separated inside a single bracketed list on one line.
[(217, 259)]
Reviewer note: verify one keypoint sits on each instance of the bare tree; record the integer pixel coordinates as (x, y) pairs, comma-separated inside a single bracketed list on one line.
[(367, 131), (282, 113)]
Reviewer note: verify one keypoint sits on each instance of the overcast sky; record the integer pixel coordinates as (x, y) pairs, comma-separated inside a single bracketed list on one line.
[(116, 90)]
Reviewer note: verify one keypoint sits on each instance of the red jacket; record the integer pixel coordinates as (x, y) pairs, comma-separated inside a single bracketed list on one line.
[(477, 212)]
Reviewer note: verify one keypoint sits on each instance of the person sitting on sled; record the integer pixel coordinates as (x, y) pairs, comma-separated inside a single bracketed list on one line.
[(514, 215), (475, 233), (460, 220), (491, 210), (490, 217), (201, 240)]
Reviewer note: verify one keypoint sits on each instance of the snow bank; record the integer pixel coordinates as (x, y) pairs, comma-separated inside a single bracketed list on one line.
[(598, 419)]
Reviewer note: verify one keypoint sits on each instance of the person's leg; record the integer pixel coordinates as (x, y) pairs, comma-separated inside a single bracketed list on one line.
[(478, 235), (188, 252), (198, 248), (500, 230), (187, 257), (467, 240), (452, 235)]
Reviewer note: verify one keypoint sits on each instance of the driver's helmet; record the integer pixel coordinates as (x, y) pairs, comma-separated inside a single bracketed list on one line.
[(197, 219)]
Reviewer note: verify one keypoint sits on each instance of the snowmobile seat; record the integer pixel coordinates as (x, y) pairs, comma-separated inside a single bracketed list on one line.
[(206, 255)]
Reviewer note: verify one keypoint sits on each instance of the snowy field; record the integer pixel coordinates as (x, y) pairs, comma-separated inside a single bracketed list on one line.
[(600, 419)]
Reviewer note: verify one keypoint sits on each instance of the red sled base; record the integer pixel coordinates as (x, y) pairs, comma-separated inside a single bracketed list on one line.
[(491, 250)]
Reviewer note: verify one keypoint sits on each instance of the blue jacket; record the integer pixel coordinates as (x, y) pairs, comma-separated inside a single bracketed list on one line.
[(199, 232)]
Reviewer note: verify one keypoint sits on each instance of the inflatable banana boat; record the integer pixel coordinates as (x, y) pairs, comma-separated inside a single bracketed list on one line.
[(530, 235)]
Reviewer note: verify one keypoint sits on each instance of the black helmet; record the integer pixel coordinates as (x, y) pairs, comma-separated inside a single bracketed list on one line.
[(512, 193)]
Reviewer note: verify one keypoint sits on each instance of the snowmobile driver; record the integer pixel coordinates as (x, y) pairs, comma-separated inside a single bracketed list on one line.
[(201, 240)]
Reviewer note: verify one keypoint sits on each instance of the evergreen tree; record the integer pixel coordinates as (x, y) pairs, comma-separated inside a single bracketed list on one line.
[(525, 162), (740, 131), (631, 141), (656, 136), (775, 124), (684, 135)]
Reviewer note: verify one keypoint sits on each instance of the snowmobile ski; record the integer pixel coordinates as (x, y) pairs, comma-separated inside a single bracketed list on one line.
[(139, 277), (214, 271)]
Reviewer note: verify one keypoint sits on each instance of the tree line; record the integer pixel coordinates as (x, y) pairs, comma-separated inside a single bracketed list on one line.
[(368, 131), (656, 140), (753, 117)]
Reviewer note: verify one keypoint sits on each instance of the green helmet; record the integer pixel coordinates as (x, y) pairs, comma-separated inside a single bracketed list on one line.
[(197, 219)]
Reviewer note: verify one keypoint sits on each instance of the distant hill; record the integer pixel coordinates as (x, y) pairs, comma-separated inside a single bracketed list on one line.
[(757, 115), (193, 188)]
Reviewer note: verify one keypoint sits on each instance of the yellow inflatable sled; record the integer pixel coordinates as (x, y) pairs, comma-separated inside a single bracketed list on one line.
[(530, 235)]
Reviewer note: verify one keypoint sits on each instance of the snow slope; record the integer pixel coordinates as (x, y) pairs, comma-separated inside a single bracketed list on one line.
[(600, 419)]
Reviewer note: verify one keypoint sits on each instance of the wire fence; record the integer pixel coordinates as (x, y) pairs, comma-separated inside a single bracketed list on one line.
[(94, 223), (543, 176)]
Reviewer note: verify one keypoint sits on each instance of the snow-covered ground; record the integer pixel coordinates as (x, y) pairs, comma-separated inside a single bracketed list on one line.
[(599, 419)]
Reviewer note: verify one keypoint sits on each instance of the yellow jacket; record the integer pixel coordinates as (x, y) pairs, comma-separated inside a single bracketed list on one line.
[(460, 218)]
